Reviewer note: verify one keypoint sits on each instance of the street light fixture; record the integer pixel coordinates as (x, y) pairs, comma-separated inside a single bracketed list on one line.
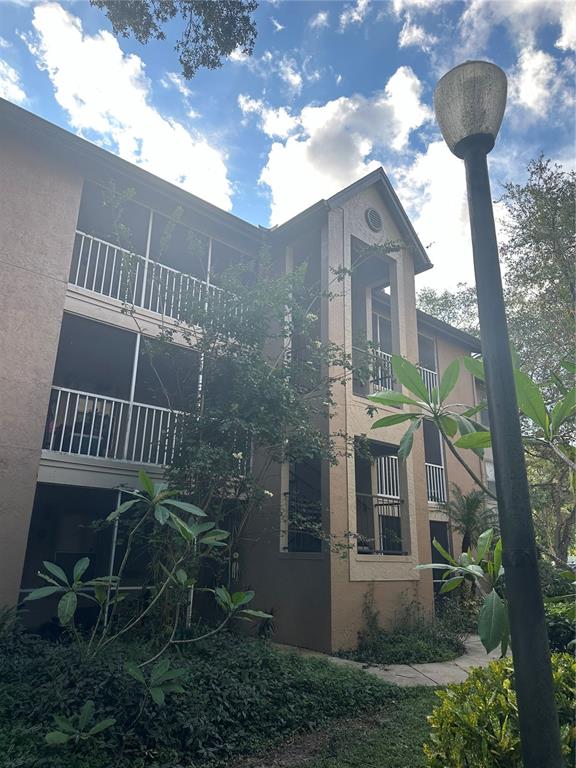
[(469, 102)]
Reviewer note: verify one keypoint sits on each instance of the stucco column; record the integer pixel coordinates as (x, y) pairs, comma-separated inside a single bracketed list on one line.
[(38, 214)]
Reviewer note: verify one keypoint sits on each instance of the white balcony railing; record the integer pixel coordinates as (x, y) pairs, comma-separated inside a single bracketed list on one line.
[(383, 378), (112, 271), (436, 483), (387, 480), (430, 378), (86, 424)]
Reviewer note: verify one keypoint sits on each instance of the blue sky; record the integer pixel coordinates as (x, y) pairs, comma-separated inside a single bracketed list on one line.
[(333, 90)]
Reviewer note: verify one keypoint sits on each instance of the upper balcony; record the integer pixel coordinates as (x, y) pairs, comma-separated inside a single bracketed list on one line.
[(139, 257)]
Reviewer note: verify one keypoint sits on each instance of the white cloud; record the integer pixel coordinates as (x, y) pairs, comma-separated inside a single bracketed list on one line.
[(10, 85), (533, 82), (522, 17), (330, 146), (107, 95), (174, 80), (413, 34), (354, 14), (276, 123), (4, 43), (433, 191), (277, 26), (319, 20), (288, 71)]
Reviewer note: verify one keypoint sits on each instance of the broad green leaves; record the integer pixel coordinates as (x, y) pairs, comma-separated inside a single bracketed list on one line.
[(492, 621), (78, 727), (530, 401), (474, 440), (162, 680), (408, 439), (449, 380), (409, 376)]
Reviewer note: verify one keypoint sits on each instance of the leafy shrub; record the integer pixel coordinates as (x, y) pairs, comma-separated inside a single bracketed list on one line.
[(553, 579), (414, 638), (561, 625), (476, 722), (239, 694)]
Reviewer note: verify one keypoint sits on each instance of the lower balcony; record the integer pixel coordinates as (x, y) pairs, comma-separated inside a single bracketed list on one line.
[(87, 424), (372, 371), (379, 525)]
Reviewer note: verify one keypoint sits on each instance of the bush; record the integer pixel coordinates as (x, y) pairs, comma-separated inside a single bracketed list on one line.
[(561, 625), (239, 695), (554, 579), (414, 638), (476, 722)]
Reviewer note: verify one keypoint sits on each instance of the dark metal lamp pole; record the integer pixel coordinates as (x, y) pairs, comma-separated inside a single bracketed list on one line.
[(469, 102)]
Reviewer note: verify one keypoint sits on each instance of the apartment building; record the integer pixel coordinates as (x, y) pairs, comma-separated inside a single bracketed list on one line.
[(79, 412)]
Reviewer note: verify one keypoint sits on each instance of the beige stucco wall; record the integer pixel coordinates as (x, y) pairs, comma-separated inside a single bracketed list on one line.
[(392, 580), (38, 212)]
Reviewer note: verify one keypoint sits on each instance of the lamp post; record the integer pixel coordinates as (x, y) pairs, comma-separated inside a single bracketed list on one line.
[(469, 102)]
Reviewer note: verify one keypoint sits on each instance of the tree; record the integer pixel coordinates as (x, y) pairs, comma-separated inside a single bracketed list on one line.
[(212, 29), (457, 308), (469, 514), (539, 257), (538, 253)]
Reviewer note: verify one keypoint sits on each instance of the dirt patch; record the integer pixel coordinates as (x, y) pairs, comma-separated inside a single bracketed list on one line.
[(298, 749)]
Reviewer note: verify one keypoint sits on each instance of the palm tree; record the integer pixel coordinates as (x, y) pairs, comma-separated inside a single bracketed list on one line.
[(469, 514)]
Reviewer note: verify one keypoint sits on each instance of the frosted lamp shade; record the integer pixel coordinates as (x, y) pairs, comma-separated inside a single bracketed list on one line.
[(470, 101)]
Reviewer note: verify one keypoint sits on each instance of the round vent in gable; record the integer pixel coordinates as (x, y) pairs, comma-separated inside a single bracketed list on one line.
[(374, 220)]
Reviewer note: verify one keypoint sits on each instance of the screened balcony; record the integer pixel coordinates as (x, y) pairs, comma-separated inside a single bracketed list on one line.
[(380, 511), (108, 398), (124, 251)]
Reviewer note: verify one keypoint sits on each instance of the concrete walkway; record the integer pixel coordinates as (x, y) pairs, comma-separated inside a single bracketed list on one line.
[(432, 674)]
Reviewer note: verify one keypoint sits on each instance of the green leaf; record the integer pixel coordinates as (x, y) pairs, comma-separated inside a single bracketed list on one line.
[(80, 568), (146, 483), (483, 544), (451, 584), (41, 592), (161, 514), (497, 559), (158, 696), (408, 439), (449, 380), (449, 425), (433, 566), (102, 725), (530, 401), (124, 507), (475, 366), (182, 528), (86, 715), (409, 376), (393, 398), (492, 621), (55, 570), (469, 412), (256, 614), (57, 737), (446, 555), (132, 669), (159, 670), (474, 440), (192, 509), (395, 418), (67, 607), (214, 537), (242, 598), (505, 633), (182, 576), (65, 724), (563, 410), (223, 598)]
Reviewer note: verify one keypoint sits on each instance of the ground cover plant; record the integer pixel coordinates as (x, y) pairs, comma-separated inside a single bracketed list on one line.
[(233, 695), (389, 737), (414, 638), (476, 723)]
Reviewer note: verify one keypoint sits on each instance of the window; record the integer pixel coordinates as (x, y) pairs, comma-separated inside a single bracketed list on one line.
[(305, 507), (427, 352)]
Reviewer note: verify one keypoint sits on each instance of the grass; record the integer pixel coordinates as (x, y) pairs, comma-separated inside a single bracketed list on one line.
[(391, 737)]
